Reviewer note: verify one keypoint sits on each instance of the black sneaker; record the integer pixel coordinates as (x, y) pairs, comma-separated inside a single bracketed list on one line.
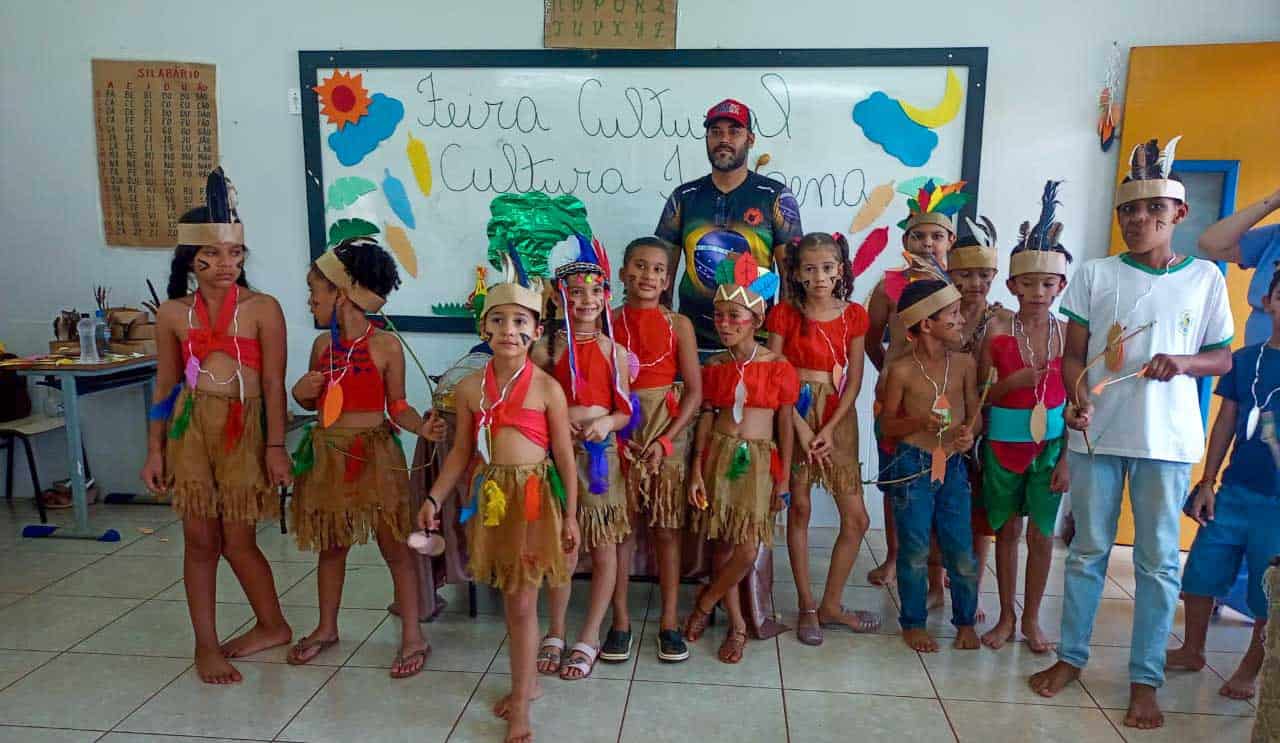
[(671, 646), (617, 646)]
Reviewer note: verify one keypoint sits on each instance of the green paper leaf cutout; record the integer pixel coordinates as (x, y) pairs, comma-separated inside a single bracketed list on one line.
[(345, 229), (345, 191)]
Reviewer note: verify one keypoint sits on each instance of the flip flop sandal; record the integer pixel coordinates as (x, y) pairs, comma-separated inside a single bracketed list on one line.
[(403, 660), (551, 651), (301, 647), (617, 646), (868, 622), (811, 634), (732, 647), (582, 658)]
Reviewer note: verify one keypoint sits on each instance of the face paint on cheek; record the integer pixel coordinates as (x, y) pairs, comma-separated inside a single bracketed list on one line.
[(525, 339), (202, 265)]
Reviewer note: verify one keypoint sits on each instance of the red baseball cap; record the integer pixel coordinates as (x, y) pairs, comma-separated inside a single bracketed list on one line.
[(730, 109)]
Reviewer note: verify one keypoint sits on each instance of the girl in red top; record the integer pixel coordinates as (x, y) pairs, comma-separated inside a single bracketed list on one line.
[(738, 482), (662, 345), (222, 353), (522, 516), (822, 334), (352, 479), (591, 369)]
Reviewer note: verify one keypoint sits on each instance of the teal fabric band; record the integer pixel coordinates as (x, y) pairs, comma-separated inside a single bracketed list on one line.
[(1013, 425)]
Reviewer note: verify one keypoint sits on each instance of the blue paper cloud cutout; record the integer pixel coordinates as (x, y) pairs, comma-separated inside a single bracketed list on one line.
[(352, 142), (884, 122)]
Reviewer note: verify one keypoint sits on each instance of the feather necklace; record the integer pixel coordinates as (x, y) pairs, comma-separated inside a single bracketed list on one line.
[(740, 390)]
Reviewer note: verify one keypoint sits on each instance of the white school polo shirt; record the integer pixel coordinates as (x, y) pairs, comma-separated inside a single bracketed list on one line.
[(1188, 304)]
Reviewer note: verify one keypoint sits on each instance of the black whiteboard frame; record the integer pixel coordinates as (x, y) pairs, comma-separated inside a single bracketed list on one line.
[(974, 59)]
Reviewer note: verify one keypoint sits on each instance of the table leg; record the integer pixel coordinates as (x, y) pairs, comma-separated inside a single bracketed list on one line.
[(79, 495), (135, 499)]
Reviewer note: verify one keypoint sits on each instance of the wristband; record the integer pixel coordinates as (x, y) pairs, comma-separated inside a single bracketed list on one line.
[(666, 445), (396, 407), (433, 502), (275, 446)]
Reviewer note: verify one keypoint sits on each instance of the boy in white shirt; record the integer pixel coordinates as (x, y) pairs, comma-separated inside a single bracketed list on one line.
[(1142, 325)]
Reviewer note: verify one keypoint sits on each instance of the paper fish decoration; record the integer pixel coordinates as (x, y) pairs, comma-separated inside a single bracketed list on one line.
[(398, 241), (420, 162), (877, 201), (398, 198)]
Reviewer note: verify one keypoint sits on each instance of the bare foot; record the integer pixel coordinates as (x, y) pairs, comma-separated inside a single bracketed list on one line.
[(1144, 713), (1003, 632), (257, 639), (1053, 679), (502, 708), (936, 599), (884, 574), (966, 639), (213, 668), (519, 727), (920, 640), (1183, 659), (1036, 640), (1239, 686)]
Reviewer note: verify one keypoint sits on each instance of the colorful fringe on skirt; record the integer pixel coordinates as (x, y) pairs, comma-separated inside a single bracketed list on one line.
[(660, 496), (357, 480), (602, 496), (842, 474), (212, 475), (513, 521), (739, 475)]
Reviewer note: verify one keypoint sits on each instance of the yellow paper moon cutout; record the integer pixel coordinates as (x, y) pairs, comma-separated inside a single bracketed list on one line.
[(940, 114)]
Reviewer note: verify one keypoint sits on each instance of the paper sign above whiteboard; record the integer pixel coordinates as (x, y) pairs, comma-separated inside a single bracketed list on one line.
[(609, 24), (443, 133)]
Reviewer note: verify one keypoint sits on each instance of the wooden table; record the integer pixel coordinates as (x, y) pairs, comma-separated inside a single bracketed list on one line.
[(76, 379)]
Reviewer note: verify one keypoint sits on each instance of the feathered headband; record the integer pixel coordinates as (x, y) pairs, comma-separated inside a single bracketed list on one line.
[(582, 256), (332, 268), (224, 224), (1035, 251), (935, 204), (517, 287), (978, 249), (925, 268), (1149, 171), (741, 280)]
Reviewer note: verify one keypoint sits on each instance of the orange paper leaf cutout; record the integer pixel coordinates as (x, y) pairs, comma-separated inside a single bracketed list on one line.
[(332, 409)]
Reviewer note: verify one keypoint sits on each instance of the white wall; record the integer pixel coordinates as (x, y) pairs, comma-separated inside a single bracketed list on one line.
[(1046, 63)]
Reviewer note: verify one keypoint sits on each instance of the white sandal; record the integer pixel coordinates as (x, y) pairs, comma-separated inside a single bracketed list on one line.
[(584, 666), (545, 653)]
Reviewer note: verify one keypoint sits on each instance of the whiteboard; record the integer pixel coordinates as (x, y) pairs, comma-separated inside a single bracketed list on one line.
[(620, 130)]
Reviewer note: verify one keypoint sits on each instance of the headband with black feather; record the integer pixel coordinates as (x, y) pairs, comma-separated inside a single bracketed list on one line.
[(1038, 249), (976, 249), (224, 224), (1150, 169)]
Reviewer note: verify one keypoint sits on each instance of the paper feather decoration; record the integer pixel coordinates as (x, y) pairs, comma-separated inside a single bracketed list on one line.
[(416, 151), (398, 198), (983, 231), (870, 249), (399, 243), (877, 201), (946, 199)]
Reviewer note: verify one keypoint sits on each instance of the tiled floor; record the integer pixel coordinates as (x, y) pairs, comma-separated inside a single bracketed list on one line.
[(95, 644)]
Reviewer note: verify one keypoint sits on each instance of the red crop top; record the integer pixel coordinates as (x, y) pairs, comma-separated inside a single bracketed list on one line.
[(353, 368), (770, 384), (210, 337), (809, 344), (595, 377), (1007, 360), (649, 334), (497, 411)]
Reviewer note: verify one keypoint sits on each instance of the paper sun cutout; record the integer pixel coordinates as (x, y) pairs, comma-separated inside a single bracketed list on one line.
[(343, 97)]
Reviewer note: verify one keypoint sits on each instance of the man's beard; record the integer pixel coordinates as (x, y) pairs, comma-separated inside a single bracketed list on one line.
[(737, 160)]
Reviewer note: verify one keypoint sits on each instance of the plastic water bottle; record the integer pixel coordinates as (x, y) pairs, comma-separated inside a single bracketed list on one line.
[(88, 345), (101, 333)]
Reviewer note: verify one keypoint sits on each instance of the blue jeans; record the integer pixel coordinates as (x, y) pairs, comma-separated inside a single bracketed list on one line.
[(922, 507), (1245, 527), (1156, 491)]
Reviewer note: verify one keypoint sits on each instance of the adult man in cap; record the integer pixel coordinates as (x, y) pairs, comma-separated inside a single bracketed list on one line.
[(731, 210)]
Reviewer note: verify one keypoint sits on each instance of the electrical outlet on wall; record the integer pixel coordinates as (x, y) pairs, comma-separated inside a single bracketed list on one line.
[(295, 102)]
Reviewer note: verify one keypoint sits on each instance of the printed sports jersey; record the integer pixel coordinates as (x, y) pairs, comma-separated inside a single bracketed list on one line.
[(709, 225)]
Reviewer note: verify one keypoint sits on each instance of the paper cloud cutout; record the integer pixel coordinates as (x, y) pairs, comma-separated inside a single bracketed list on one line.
[(352, 142), (884, 122)]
